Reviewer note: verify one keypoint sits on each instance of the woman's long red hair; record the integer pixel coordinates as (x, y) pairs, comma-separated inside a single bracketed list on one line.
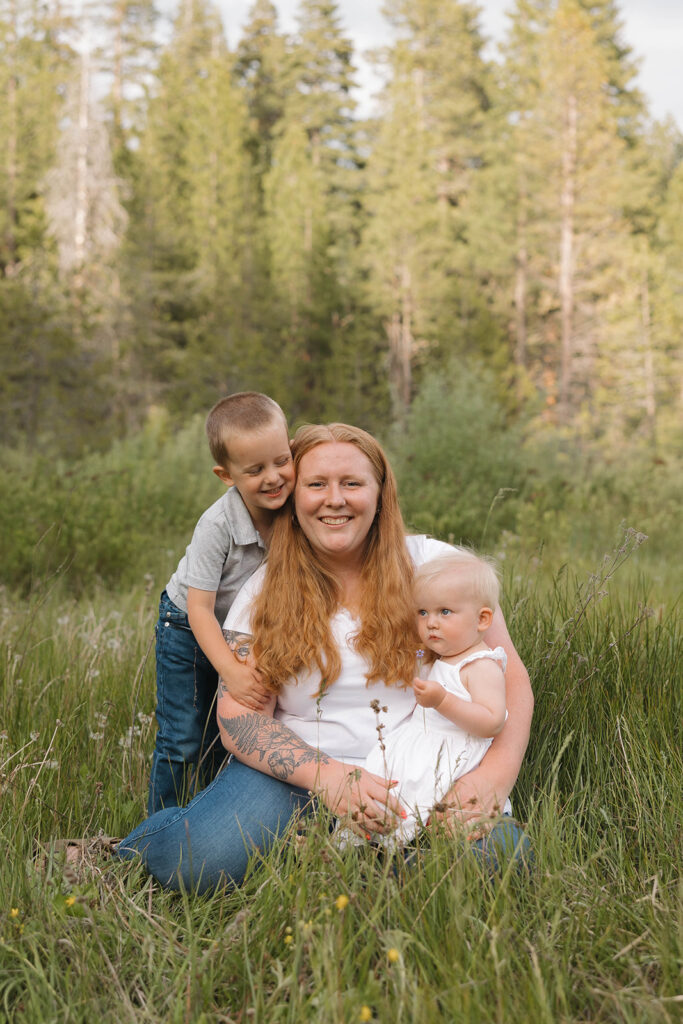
[(291, 616)]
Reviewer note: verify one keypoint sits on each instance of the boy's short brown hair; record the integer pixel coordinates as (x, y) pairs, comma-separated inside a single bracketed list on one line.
[(236, 414)]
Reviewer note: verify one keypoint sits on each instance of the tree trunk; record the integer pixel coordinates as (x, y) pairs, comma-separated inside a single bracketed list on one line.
[(521, 272), (566, 270), (117, 84), (11, 158), (81, 213), (648, 359), (400, 335)]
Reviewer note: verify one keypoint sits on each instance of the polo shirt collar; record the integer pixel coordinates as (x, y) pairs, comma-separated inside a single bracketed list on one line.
[(243, 529)]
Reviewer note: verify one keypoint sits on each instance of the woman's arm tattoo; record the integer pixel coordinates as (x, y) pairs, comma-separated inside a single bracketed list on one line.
[(239, 643), (281, 748)]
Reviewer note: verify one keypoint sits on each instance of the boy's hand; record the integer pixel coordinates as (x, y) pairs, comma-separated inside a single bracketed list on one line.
[(428, 693), (242, 680)]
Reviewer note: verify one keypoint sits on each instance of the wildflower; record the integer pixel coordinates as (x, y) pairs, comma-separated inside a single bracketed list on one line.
[(14, 912), (69, 901), (341, 901), (52, 764), (35, 735), (132, 732), (288, 940), (96, 735), (393, 955), (365, 1013), (288, 929)]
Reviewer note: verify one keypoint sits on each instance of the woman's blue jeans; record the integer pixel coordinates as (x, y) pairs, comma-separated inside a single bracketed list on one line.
[(209, 842)]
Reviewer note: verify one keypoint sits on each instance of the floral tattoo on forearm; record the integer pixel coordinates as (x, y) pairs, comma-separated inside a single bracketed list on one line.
[(278, 746)]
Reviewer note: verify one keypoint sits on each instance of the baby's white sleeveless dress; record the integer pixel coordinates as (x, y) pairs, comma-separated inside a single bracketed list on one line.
[(427, 753)]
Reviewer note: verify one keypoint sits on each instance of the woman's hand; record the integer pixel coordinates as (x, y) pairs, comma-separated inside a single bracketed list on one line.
[(363, 800), (473, 797)]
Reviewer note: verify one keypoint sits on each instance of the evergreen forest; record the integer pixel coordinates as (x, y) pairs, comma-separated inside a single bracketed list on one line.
[(179, 219)]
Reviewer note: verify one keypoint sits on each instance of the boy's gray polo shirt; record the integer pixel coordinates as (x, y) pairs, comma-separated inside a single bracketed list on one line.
[(225, 550)]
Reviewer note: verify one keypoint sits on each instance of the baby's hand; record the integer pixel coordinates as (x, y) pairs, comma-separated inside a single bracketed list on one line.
[(428, 693)]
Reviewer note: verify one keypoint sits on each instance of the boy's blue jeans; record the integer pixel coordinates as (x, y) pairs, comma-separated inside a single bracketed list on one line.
[(188, 750)]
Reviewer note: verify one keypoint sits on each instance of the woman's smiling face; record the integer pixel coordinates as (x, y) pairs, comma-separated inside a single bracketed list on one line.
[(336, 498)]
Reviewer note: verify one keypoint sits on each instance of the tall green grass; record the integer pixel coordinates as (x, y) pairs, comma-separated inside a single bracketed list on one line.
[(592, 933)]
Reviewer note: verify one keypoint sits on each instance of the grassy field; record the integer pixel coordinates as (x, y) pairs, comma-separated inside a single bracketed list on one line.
[(592, 933)]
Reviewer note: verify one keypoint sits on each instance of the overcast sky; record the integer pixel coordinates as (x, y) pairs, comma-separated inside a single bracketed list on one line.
[(654, 28)]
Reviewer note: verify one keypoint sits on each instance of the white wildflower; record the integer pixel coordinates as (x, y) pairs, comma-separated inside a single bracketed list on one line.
[(132, 732)]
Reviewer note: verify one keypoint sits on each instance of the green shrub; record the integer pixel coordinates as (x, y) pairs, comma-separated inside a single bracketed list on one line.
[(110, 517), (459, 461)]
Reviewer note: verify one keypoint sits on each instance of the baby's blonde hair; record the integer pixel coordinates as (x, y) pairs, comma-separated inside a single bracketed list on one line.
[(474, 577)]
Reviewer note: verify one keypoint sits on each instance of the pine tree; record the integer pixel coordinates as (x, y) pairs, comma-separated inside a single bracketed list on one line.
[(428, 144), (34, 65), (668, 311), (261, 67), (191, 248), (126, 59), (84, 211), (577, 181), (311, 203), (49, 391), (589, 171)]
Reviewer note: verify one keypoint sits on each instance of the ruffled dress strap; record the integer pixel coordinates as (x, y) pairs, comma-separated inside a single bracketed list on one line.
[(497, 654)]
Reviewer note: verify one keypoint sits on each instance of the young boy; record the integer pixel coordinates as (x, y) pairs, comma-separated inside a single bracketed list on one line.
[(249, 442)]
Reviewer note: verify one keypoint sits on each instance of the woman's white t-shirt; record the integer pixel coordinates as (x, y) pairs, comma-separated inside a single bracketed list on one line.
[(341, 722)]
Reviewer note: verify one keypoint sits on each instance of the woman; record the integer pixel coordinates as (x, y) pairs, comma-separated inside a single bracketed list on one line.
[(332, 617)]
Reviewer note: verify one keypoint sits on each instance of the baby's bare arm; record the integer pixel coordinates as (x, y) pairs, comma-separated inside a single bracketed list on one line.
[(485, 715)]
